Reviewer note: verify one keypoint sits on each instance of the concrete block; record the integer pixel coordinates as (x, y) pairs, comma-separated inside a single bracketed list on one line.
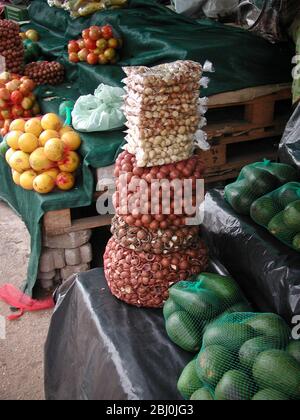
[(86, 253), (68, 271), (46, 276), (68, 240), (73, 256), (59, 258), (46, 261)]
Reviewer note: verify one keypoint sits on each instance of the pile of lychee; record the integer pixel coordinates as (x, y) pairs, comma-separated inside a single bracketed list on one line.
[(42, 153)]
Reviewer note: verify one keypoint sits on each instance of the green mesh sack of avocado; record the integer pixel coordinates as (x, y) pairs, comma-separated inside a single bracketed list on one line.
[(279, 212), (256, 180), (192, 305), (247, 356)]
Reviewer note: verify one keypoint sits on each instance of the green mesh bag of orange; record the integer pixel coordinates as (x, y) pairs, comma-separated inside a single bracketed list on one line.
[(244, 356), (256, 180), (279, 212), (192, 305)]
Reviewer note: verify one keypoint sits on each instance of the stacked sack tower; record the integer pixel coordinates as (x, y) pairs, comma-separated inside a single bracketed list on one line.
[(151, 250)]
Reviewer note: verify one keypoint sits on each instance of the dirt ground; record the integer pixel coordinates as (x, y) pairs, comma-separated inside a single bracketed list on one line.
[(21, 353)]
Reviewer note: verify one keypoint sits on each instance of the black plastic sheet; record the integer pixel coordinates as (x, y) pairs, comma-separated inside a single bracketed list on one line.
[(266, 270), (99, 348), (289, 148)]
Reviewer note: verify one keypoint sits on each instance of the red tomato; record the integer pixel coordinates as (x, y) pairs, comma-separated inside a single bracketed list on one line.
[(107, 32), (73, 47), (16, 97), (3, 104), (73, 57), (81, 44), (6, 114), (113, 43), (28, 85), (95, 33), (82, 55), (4, 94), (92, 58), (27, 113), (17, 111), (85, 33), (90, 44)]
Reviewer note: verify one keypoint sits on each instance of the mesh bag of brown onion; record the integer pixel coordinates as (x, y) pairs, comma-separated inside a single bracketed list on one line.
[(45, 72), (143, 279), (11, 46), (157, 242)]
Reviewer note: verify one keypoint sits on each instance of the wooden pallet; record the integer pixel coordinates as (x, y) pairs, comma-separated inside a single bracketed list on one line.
[(231, 125), (60, 222)]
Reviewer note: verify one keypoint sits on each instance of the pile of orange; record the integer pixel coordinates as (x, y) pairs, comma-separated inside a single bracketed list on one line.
[(42, 154)]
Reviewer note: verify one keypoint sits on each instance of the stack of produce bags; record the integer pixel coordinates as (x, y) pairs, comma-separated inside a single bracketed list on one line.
[(153, 244)]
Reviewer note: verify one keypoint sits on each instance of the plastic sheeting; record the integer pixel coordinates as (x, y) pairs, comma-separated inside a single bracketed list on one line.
[(289, 148), (101, 348), (266, 270)]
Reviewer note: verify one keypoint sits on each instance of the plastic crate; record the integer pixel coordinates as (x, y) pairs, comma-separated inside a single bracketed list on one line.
[(16, 13)]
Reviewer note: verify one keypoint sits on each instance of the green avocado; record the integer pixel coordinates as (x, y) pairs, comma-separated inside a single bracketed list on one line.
[(260, 179), (202, 394), (284, 173), (235, 386), (3, 148), (229, 335), (252, 348), (184, 331), (296, 242), (270, 395), (294, 350), (213, 362), (170, 307), (189, 381), (271, 325), (288, 194), (224, 287), (278, 370), (198, 302), (263, 210), (291, 216), (240, 196), (280, 230)]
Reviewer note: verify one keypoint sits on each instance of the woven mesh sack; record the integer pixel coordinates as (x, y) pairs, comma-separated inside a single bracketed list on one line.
[(143, 279), (192, 305), (256, 180), (162, 241), (279, 212), (249, 356)]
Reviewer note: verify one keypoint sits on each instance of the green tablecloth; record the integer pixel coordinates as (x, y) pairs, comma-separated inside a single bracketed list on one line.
[(153, 34)]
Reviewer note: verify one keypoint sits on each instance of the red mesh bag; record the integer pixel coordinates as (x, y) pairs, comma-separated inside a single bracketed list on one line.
[(143, 279), (129, 176), (11, 46), (157, 242)]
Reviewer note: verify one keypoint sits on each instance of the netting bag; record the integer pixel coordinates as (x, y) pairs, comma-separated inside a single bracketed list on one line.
[(141, 239), (143, 279), (141, 206), (194, 304), (279, 212), (248, 356), (256, 180)]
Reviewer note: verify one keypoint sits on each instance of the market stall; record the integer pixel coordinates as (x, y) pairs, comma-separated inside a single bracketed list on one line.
[(169, 38)]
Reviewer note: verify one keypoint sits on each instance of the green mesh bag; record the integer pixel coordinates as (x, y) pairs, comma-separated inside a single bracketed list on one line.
[(279, 212), (256, 180), (192, 305), (248, 356)]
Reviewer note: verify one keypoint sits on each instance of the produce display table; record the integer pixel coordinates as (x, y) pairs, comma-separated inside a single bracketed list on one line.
[(152, 34), (99, 348), (266, 270)]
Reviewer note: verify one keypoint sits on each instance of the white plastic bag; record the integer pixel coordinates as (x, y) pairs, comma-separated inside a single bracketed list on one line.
[(101, 112)]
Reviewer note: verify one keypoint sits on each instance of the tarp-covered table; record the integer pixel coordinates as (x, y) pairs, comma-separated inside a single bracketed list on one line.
[(267, 271), (153, 34), (99, 348)]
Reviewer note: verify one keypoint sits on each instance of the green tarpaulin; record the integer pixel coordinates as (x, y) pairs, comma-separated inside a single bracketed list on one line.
[(153, 34)]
